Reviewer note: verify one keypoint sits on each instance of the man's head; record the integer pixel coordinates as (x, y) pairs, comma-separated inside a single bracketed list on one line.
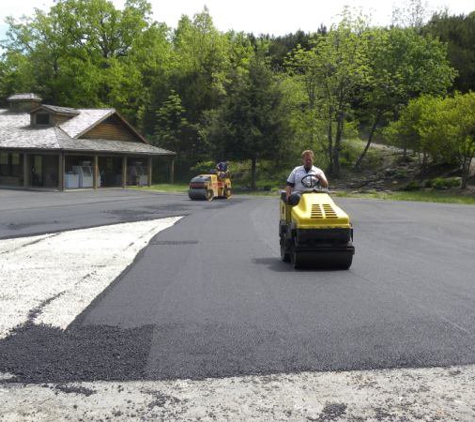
[(307, 158)]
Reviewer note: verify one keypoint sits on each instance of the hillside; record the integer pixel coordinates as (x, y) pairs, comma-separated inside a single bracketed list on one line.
[(391, 170)]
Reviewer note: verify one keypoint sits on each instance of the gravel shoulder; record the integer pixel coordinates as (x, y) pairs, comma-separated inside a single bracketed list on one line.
[(388, 395)]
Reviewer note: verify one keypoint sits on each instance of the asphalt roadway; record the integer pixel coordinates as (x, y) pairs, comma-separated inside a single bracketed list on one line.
[(209, 297)]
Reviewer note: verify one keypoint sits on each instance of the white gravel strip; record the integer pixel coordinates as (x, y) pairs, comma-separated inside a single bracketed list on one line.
[(433, 394), (53, 278)]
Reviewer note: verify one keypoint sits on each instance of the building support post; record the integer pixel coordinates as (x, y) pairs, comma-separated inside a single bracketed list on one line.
[(172, 171), (95, 171), (61, 170), (149, 171), (124, 172), (26, 170)]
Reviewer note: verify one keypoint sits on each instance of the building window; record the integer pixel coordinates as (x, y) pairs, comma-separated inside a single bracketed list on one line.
[(16, 168), (10, 164), (42, 119), (4, 164)]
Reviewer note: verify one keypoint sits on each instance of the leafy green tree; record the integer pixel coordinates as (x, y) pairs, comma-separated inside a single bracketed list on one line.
[(455, 130), (459, 33), (402, 65), (76, 49), (252, 123), (441, 127), (415, 127), (196, 70), (332, 72), (201, 63), (146, 84), (173, 130), (410, 14), (16, 74), (281, 46)]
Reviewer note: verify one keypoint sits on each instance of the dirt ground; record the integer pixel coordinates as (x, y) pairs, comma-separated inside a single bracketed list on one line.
[(432, 394)]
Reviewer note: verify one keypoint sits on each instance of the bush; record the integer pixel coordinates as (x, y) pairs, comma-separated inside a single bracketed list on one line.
[(441, 183), (400, 173), (412, 186), (349, 153), (202, 167)]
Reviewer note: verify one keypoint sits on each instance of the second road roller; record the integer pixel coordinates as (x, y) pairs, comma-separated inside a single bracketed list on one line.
[(209, 186)]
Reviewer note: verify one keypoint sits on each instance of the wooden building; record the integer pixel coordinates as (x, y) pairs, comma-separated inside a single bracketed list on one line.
[(44, 146)]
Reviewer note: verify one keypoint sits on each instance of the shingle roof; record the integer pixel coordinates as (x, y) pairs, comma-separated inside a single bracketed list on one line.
[(106, 145), (60, 110), (16, 133), (87, 118), (26, 96)]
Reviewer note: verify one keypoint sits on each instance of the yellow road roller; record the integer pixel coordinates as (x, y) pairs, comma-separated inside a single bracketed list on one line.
[(209, 186), (314, 231)]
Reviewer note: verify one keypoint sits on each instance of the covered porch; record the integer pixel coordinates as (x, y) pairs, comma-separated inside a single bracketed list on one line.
[(75, 170)]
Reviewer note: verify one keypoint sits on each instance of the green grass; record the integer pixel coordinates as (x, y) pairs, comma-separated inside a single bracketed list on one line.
[(419, 196), (165, 187)]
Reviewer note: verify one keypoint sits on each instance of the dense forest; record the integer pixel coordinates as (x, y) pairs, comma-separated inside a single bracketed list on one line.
[(209, 95)]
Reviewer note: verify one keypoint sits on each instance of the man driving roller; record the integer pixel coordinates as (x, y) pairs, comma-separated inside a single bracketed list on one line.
[(294, 181)]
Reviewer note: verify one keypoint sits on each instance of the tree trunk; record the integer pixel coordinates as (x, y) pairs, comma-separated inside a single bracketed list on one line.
[(425, 159), (466, 171), (330, 147), (337, 149), (370, 139), (253, 173)]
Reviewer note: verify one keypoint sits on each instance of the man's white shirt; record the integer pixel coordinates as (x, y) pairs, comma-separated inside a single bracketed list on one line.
[(298, 173)]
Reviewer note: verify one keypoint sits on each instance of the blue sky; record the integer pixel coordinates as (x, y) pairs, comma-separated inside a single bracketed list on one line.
[(276, 17)]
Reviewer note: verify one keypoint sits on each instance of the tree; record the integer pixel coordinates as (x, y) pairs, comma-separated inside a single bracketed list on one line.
[(332, 71), (459, 34), (402, 65), (197, 69), (77, 48), (148, 69), (441, 127), (455, 129), (414, 128), (201, 63), (411, 14), (251, 124), (173, 131)]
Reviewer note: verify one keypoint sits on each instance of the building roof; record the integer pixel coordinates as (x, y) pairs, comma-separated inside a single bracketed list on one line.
[(106, 145), (17, 133), (58, 110), (23, 97), (86, 120)]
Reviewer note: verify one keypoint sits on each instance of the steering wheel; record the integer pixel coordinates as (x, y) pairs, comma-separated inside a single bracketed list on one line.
[(310, 181)]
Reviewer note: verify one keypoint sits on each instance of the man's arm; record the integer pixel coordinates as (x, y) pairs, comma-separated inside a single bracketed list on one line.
[(288, 191), (323, 180), (290, 184)]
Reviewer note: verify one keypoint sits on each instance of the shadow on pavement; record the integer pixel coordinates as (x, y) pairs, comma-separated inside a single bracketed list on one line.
[(276, 264)]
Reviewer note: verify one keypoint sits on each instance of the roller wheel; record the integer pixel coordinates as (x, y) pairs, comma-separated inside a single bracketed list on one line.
[(284, 252), (344, 262), (295, 258), (197, 194), (209, 195), (227, 192)]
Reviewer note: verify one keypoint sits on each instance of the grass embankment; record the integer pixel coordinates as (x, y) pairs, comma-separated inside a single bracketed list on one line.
[(165, 187), (270, 177), (419, 196)]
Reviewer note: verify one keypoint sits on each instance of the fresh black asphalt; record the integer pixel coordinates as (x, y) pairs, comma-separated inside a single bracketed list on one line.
[(209, 297)]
